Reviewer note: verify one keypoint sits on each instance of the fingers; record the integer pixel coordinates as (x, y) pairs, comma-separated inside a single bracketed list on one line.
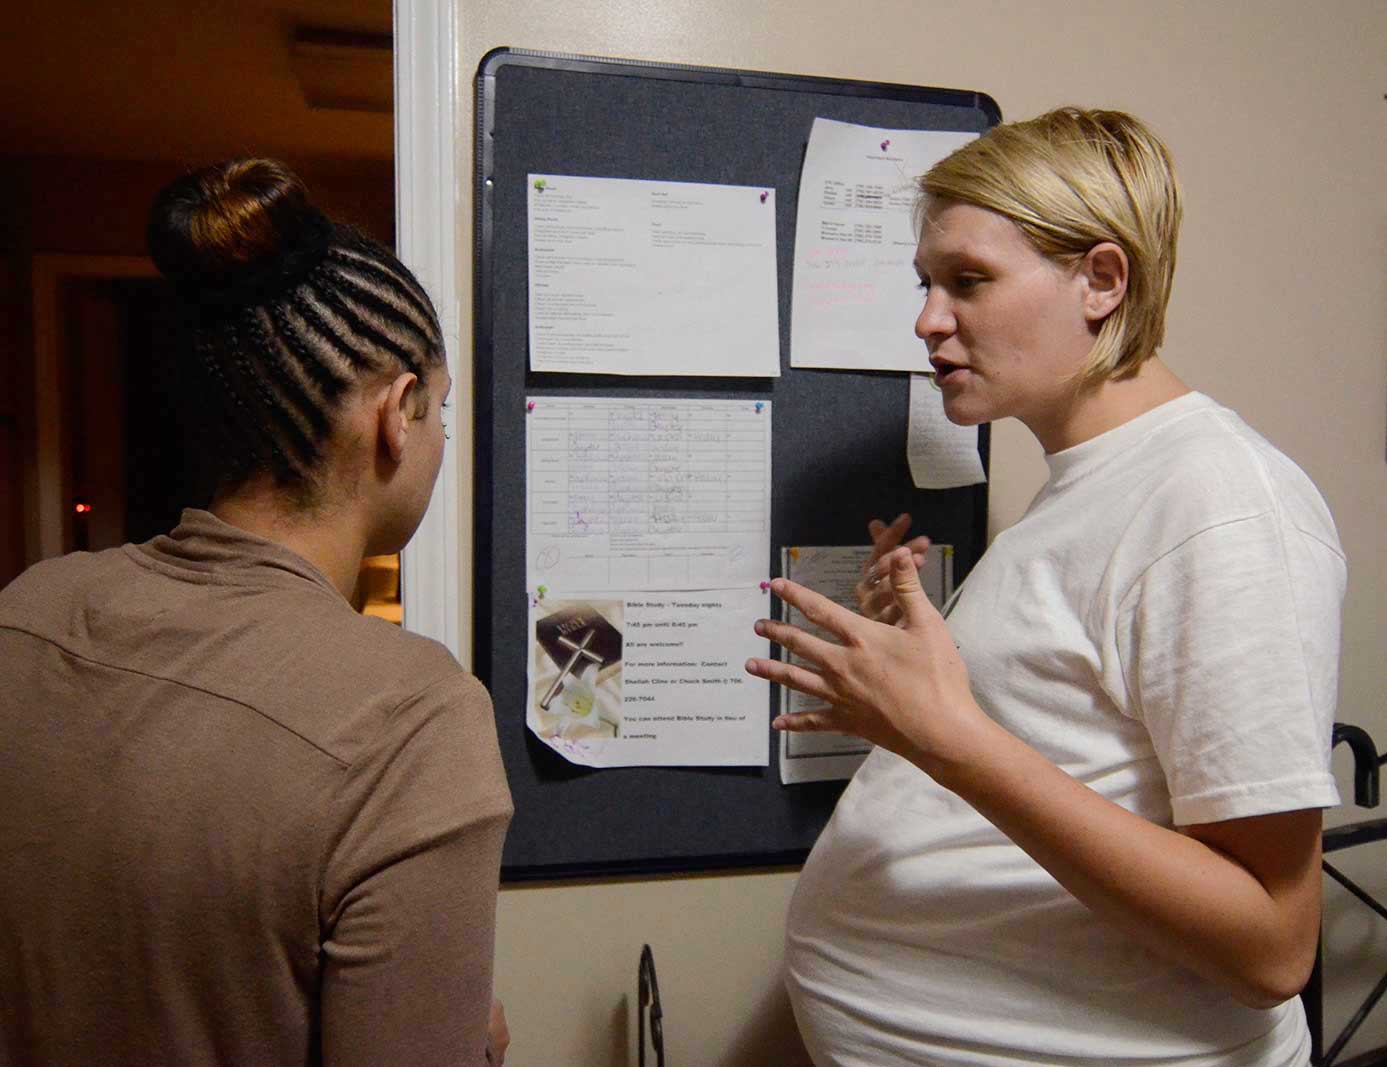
[(897, 527), (792, 676), (918, 547), (885, 538), (868, 594), (877, 569), (794, 640), (877, 601), (804, 722), (909, 595), (870, 600), (817, 609)]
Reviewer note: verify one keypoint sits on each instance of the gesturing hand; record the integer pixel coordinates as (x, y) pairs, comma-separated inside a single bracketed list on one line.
[(902, 687), (874, 597)]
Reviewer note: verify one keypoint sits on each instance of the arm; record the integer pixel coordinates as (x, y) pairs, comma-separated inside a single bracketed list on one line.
[(1237, 901), (407, 972), (410, 902)]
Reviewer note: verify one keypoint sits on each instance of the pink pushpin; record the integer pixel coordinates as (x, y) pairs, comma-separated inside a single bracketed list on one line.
[(529, 405), (765, 587), (885, 144), (764, 195)]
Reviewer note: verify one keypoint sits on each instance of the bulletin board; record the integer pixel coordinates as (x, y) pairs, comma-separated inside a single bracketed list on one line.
[(838, 444)]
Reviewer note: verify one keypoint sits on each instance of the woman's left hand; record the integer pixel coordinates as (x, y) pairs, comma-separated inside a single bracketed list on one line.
[(873, 592), (902, 687)]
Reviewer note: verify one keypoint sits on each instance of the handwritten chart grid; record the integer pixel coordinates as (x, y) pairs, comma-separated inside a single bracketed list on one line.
[(629, 494)]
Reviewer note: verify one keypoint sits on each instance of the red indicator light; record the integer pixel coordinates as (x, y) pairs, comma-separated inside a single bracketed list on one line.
[(82, 509)]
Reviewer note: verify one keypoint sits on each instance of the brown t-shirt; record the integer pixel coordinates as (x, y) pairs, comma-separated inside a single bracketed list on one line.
[(239, 823)]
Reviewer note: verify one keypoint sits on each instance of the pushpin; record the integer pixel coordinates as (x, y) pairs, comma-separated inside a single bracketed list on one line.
[(765, 587), (886, 144), (539, 185), (529, 406), (764, 195), (759, 406)]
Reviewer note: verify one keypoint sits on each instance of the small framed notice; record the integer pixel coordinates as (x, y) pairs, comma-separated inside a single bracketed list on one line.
[(834, 571)]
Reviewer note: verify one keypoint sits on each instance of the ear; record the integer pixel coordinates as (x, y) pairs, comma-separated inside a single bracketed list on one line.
[(1104, 271), (395, 411)]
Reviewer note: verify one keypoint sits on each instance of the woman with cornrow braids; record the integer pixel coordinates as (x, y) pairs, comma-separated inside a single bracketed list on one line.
[(239, 822)]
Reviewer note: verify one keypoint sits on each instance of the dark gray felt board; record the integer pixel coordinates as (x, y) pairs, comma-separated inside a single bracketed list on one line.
[(838, 438)]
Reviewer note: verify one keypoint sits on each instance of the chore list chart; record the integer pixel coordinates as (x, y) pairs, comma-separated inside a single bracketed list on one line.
[(648, 542), (647, 494)]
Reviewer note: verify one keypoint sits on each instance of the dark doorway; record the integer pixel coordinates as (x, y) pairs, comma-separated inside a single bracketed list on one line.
[(131, 472)]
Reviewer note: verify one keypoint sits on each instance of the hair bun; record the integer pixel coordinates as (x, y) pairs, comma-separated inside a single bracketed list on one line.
[(239, 222)]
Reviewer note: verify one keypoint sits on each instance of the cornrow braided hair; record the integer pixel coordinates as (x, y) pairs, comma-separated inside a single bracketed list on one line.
[(405, 284), (232, 418), (356, 326), (274, 419), (287, 311)]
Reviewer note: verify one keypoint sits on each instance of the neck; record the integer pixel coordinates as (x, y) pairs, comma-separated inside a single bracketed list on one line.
[(1098, 409), (330, 538)]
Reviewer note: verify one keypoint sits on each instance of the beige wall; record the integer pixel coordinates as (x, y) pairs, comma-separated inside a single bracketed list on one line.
[(1275, 112)]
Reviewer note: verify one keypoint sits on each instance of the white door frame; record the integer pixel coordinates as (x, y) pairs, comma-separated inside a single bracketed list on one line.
[(426, 194)]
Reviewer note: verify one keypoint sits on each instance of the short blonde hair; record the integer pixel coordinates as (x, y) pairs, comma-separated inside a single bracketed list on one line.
[(1072, 179)]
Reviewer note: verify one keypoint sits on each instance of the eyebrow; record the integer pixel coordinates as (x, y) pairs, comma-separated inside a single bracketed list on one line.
[(953, 258), (953, 255)]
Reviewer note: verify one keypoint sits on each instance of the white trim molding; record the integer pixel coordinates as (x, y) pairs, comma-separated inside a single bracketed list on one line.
[(426, 240)]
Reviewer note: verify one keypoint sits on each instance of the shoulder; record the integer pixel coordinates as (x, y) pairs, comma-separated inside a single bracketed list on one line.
[(363, 674), (421, 740), (49, 588), (1209, 468)]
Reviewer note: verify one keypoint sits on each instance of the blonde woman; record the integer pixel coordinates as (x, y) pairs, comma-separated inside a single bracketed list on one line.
[(1090, 832)]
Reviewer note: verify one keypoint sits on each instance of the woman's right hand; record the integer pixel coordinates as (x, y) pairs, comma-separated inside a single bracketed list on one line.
[(874, 598), (903, 687)]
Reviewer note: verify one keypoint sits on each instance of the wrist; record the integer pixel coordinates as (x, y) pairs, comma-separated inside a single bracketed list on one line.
[(959, 761)]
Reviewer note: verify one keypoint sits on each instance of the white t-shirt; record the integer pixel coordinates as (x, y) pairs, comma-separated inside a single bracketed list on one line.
[(1163, 624)]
